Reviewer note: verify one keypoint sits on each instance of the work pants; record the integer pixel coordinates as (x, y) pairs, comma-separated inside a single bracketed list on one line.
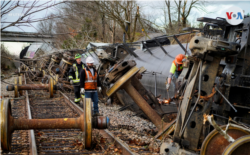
[(176, 74), (77, 93), (94, 98), (175, 81)]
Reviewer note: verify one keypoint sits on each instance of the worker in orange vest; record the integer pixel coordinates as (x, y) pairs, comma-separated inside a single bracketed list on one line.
[(176, 68), (89, 83)]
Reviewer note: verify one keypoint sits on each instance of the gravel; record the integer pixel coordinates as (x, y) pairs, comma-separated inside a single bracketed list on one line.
[(132, 129), (125, 119)]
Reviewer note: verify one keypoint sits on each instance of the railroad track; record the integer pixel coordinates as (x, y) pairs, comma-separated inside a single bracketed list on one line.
[(37, 105), (20, 139)]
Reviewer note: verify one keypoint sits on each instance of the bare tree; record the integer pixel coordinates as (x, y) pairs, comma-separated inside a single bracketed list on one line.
[(188, 6), (103, 27), (46, 26), (28, 9), (125, 13), (87, 21), (178, 5), (179, 11), (169, 14), (112, 29), (76, 28)]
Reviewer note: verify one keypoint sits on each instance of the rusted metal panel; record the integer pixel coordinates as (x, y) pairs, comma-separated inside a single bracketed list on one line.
[(193, 130), (153, 116)]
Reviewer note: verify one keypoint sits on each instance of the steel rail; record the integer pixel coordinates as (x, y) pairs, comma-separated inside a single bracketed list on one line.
[(32, 140), (71, 103), (125, 148), (105, 133)]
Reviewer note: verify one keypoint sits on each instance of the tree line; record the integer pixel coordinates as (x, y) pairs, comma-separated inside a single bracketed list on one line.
[(76, 23)]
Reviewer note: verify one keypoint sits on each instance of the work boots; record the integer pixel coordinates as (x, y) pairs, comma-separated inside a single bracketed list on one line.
[(97, 114), (77, 103)]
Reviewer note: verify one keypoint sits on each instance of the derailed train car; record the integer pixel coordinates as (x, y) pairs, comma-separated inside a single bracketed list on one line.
[(215, 80), (155, 55)]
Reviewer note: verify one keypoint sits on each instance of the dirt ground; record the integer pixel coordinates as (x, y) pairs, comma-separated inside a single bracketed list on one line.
[(4, 92)]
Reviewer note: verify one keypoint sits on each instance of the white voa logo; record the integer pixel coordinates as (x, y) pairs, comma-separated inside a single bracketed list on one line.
[(234, 15)]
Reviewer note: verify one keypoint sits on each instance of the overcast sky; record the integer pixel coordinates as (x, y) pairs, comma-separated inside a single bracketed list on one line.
[(152, 8), (213, 8), (16, 47)]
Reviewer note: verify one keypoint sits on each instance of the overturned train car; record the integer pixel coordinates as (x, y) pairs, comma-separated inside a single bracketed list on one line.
[(211, 93)]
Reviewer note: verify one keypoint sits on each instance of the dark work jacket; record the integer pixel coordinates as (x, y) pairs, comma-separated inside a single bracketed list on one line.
[(79, 67)]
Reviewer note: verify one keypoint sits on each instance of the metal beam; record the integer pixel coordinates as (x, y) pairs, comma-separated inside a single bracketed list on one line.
[(176, 39), (10, 36), (147, 47), (130, 51), (23, 39), (160, 46)]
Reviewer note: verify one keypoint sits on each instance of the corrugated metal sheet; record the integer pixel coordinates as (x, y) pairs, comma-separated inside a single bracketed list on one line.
[(159, 63)]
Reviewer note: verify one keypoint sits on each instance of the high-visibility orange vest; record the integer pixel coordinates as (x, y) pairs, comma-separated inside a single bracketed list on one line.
[(179, 67), (90, 80)]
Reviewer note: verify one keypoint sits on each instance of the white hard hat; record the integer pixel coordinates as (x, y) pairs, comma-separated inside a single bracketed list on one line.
[(89, 60), (101, 54)]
